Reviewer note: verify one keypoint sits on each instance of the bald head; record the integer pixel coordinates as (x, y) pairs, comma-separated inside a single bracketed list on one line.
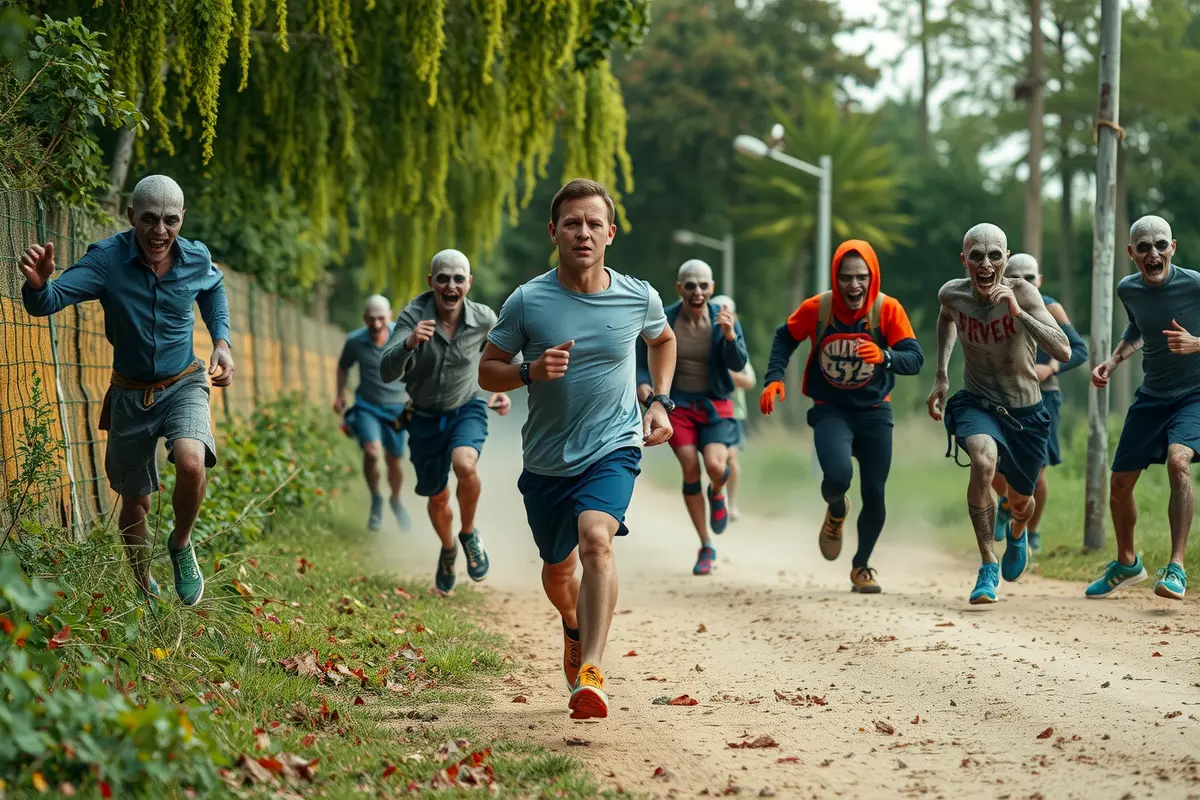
[(450, 261), (694, 284), (157, 194), (377, 304), (985, 233), (725, 301), (1023, 266), (985, 254), (1152, 248), (1150, 227), (695, 269)]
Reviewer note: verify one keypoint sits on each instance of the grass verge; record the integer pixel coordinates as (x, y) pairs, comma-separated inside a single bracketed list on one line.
[(927, 495)]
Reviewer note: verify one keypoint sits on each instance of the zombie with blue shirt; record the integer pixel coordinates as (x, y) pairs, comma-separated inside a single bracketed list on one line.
[(1024, 267), (375, 417), (577, 327), (1162, 426), (147, 280)]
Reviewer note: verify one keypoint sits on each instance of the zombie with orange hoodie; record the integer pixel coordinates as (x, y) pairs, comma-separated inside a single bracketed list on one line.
[(861, 340)]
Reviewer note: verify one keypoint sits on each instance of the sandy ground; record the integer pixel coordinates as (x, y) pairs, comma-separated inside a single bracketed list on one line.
[(909, 693)]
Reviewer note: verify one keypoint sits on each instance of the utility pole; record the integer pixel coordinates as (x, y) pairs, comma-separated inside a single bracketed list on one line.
[(1037, 116), (1108, 133)]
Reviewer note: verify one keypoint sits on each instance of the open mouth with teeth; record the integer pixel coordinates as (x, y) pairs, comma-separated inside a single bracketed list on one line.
[(697, 301), (855, 297), (986, 280), (158, 245), (450, 298), (1155, 271)]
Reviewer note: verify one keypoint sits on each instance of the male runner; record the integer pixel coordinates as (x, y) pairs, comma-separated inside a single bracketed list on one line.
[(147, 279), (435, 351), (710, 346), (378, 405), (998, 418), (862, 340), (1024, 267), (576, 326), (1163, 423), (743, 381)]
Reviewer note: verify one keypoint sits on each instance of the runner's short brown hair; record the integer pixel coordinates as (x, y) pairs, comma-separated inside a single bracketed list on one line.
[(578, 189)]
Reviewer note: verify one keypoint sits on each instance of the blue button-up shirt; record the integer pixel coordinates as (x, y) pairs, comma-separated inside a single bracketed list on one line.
[(147, 319)]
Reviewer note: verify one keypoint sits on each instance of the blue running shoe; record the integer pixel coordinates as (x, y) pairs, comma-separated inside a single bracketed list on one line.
[(1172, 582), (1035, 541), (376, 518), (477, 557), (1003, 517), (189, 581), (444, 578), (402, 517), (704, 560), (1016, 556), (1116, 576), (985, 584)]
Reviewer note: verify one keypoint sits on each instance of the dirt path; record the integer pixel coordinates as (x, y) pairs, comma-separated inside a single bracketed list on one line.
[(775, 624)]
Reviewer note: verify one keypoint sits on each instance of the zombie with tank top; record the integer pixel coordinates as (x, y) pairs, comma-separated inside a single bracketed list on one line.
[(861, 340), (998, 418)]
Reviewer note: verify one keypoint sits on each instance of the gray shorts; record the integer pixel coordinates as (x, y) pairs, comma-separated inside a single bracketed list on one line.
[(179, 412)]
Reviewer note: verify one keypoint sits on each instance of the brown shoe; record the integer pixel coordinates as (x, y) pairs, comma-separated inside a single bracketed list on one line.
[(572, 657), (830, 538), (862, 580)]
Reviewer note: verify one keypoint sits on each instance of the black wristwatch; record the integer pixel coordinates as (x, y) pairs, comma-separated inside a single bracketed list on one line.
[(667, 403), (523, 371)]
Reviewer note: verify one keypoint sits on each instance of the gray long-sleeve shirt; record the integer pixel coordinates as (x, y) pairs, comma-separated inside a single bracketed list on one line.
[(442, 373)]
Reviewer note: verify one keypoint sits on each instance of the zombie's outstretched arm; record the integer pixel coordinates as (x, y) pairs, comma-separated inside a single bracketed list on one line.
[(781, 353), (1040, 324)]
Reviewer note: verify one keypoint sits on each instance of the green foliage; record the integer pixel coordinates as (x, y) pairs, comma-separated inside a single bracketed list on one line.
[(75, 726), (285, 456), (49, 102), (36, 481)]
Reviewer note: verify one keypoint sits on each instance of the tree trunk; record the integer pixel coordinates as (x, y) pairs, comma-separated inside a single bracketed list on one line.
[(1066, 225), (1121, 394), (923, 109), (1033, 186)]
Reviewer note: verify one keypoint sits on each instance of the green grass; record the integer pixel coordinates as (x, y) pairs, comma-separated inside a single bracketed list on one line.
[(312, 586), (927, 494)]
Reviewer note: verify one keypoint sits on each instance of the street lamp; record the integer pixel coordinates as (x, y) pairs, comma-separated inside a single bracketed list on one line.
[(724, 244), (757, 148)]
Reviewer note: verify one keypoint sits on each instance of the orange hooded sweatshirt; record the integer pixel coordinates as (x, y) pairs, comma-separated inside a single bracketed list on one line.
[(834, 373)]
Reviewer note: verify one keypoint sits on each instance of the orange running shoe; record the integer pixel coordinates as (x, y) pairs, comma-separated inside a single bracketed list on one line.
[(572, 656), (588, 701)]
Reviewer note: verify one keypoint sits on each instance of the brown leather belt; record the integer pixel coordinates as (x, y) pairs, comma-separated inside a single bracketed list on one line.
[(148, 390)]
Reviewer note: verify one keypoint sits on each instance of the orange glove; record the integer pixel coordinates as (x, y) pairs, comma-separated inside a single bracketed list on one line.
[(870, 353), (766, 401)]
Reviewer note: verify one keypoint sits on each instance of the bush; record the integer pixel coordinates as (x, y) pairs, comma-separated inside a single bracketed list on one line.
[(74, 726)]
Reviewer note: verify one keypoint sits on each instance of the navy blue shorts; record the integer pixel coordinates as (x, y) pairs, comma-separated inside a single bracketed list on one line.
[(739, 440), (1154, 423), (1020, 442), (1052, 400), (553, 504), (432, 437), (369, 424)]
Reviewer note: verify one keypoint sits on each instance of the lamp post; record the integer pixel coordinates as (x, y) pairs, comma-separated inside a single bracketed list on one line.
[(724, 244), (757, 148)]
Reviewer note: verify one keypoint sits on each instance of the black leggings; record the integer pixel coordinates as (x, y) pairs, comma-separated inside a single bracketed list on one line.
[(865, 434)]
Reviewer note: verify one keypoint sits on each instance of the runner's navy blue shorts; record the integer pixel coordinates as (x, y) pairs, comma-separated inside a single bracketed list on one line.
[(1154, 423), (432, 437), (1020, 442), (368, 422), (1052, 400), (553, 503)]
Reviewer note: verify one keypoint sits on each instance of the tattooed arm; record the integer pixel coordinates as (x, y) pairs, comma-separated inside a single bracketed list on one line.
[(1037, 320)]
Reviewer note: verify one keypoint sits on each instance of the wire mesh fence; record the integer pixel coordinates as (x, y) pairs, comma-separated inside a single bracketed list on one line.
[(277, 348)]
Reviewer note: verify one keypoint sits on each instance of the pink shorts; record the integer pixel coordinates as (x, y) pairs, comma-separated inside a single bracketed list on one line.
[(700, 427)]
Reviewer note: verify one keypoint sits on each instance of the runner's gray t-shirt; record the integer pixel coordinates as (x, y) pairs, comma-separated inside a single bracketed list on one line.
[(1151, 310), (361, 349), (593, 410)]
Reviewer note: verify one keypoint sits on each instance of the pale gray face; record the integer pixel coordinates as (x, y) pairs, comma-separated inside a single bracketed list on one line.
[(694, 283), (1151, 248), (450, 279), (1024, 267), (377, 315), (985, 254), (156, 214)]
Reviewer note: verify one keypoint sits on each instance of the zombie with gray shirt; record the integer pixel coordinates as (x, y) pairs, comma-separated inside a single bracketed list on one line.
[(435, 350), (1162, 425), (709, 347), (998, 418)]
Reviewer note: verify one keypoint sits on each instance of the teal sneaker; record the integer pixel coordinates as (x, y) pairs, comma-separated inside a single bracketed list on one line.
[(1172, 582), (376, 518), (1116, 576), (1035, 541), (402, 517), (444, 577), (1003, 517), (985, 584), (477, 557), (704, 560), (1016, 556), (189, 583)]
